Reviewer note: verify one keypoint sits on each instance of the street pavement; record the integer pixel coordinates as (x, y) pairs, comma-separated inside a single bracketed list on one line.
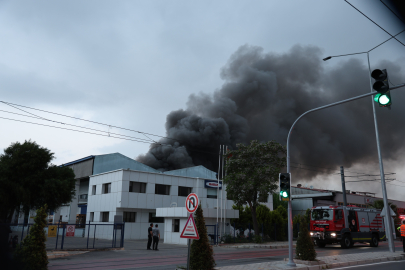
[(135, 256), (394, 265)]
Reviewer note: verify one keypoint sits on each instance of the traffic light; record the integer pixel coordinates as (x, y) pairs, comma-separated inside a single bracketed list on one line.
[(382, 87), (285, 183)]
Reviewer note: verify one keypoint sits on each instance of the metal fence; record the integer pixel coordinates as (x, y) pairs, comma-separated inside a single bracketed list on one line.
[(86, 236)]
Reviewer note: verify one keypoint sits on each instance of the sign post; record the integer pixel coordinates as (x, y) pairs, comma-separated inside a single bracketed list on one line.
[(190, 230)]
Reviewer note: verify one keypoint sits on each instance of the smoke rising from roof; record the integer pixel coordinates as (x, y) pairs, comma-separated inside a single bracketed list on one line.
[(264, 93)]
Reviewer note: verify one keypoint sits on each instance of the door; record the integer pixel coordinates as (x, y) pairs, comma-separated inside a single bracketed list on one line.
[(363, 221), (352, 219)]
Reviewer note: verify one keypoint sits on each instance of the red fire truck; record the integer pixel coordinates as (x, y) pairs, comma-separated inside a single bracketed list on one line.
[(346, 225)]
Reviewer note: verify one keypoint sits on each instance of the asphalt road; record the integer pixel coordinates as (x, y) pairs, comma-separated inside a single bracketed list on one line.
[(135, 256)]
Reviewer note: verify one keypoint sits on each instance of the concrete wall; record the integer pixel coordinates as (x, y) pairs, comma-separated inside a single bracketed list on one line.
[(82, 169)]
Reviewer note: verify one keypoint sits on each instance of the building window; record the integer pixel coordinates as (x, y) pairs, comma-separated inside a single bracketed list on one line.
[(105, 216), (106, 188), (137, 187), (154, 219), (212, 193), (91, 216), (93, 190), (184, 191), (162, 189), (129, 216), (175, 225)]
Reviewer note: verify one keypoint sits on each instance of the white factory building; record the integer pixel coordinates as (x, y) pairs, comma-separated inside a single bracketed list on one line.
[(114, 185)]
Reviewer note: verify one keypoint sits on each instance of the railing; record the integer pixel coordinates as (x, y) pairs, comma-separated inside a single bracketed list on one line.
[(94, 235)]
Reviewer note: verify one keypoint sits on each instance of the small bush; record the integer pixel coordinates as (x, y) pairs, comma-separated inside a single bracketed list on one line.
[(201, 253), (258, 238), (32, 254), (305, 249)]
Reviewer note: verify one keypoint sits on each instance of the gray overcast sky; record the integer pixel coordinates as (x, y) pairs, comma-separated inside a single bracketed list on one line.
[(129, 63)]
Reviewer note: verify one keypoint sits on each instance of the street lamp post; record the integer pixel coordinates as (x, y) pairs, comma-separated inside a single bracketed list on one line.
[(384, 189)]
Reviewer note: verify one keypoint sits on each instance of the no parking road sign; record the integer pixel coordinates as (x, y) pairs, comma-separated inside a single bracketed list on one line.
[(192, 202)]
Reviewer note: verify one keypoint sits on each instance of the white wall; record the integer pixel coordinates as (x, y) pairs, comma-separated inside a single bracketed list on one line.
[(120, 199)]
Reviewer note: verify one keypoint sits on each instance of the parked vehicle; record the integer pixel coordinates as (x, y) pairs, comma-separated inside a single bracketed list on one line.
[(346, 226)]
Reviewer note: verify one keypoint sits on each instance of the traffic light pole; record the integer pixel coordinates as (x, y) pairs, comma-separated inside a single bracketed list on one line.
[(290, 227), (387, 218)]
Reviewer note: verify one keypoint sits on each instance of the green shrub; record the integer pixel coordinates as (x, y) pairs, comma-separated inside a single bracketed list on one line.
[(258, 238), (305, 249), (201, 253), (32, 254)]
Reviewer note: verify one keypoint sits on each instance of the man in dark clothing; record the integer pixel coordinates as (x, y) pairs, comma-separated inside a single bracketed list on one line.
[(156, 237), (150, 236)]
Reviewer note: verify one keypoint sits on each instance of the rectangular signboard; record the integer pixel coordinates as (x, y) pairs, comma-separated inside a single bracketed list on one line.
[(213, 184), (52, 229), (70, 230)]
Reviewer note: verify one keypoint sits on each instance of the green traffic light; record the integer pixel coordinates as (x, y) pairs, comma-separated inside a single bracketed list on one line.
[(383, 100), (285, 195)]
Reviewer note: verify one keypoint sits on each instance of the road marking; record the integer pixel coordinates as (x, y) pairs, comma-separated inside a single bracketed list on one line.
[(360, 265)]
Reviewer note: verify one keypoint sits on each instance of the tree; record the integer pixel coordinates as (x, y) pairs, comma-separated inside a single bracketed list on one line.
[(277, 202), (305, 249), (201, 253), (252, 173), (32, 254), (28, 179)]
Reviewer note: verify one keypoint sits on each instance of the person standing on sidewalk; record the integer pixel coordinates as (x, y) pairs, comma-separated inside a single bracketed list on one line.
[(150, 236), (403, 234), (156, 237)]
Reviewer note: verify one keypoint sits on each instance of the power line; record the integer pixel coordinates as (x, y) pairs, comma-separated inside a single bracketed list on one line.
[(374, 22), (92, 133), (81, 119), (38, 117), (72, 129), (392, 11)]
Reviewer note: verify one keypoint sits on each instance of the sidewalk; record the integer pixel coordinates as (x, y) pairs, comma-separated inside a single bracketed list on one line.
[(270, 245), (58, 254), (325, 262)]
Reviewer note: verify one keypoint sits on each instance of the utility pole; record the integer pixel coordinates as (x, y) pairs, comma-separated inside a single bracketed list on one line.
[(219, 168), (342, 175)]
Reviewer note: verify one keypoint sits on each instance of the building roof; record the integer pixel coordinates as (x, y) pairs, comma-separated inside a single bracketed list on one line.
[(77, 161), (196, 171), (116, 161)]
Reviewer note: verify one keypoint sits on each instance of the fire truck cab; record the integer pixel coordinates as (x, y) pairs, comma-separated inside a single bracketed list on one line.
[(346, 225)]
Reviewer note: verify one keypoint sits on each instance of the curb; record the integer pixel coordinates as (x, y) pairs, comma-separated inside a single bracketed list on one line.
[(343, 264), (258, 246)]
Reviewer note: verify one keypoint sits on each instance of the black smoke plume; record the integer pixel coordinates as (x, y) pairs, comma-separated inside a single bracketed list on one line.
[(263, 94)]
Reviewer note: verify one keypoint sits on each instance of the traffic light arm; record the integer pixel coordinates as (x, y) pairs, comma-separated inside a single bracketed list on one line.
[(290, 231), (324, 107)]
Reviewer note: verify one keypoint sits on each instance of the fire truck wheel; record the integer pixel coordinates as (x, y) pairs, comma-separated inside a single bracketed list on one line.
[(374, 241), (346, 241), (320, 244)]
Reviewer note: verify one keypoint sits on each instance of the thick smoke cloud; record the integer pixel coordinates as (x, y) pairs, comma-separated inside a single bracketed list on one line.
[(262, 96)]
